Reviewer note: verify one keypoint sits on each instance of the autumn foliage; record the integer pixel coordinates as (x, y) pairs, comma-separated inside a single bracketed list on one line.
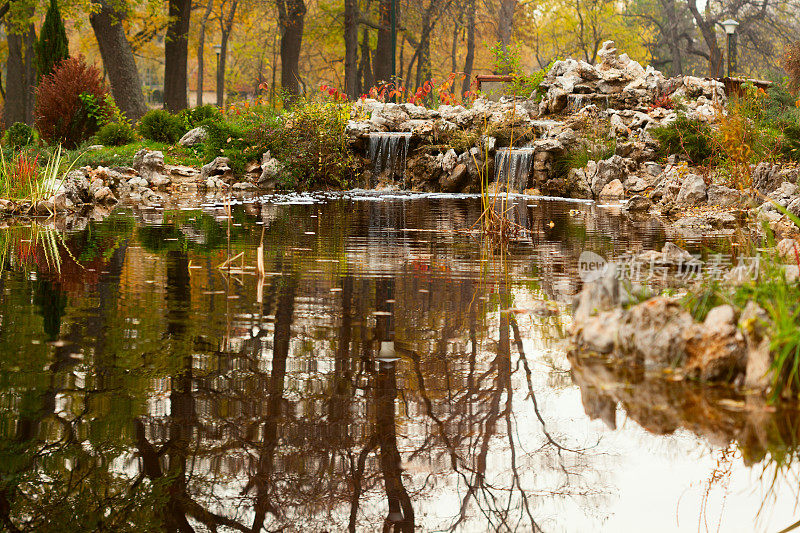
[(69, 103)]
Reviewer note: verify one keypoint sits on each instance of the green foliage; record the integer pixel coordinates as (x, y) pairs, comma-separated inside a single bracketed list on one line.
[(689, 137), (227, 139), (19, 135), (200, 115), (52, 46), (116, 134), (161, 126), (508, 61), (596, 146)]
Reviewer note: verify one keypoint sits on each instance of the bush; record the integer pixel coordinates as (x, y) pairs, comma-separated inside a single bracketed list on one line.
[(201, 115), (19, 135), (689, 137), (116, 134), (61, 112), (226, 139), (161, 126)]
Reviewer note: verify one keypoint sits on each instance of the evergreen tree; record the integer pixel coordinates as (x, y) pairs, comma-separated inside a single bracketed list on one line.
[(52, 46)]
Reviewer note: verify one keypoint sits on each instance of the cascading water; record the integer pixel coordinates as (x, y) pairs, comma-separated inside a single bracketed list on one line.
[(388, 152), (513, 167)]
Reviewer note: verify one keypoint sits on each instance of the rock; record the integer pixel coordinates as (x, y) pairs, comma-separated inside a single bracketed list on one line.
[(194, 137), (76, 187), (94, 148), (448, 161), (271, 169), (44, 208), (219, 168), (455, 181), (754, 325), (675, 255), (788, 250), (639, 203), (150, 166), (243, 186), (608, 170), (603, 294), (768, 177), (652, 333), (635, 184), (612, 191), (103, 195), (722, 196), (600, 334), (716, 350), (653, 169), (693, 191), (61, 202)]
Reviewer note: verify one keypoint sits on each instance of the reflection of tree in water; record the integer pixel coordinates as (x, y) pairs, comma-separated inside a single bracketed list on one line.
[(297, 418)]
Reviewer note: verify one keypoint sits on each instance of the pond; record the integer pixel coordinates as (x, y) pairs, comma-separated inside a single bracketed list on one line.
[(352, 361)]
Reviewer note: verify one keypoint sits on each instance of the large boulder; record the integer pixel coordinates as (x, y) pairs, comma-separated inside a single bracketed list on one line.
[(693, 191), (219, 169), (754, 325), (194, 137), (768, 177), (652, 333), (716, 350)]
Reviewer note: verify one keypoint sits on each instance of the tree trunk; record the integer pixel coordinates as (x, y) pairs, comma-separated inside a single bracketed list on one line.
[(382, 60), (291, 17), (505, 22), (201, 43), (424, 48), (176, 55), (118, 60), (351, 48), (365, 66), (469, 61), (226, 25), (19, 82), (709, 34), (31, 73)]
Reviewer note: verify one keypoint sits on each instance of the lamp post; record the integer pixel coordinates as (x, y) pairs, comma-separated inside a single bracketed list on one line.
[(730, 26), (218, 50)]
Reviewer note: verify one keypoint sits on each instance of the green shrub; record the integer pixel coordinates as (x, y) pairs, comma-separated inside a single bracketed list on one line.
[(161, 126), (52, 46), (200, 115), (226, 139), (19, 135), (688, 137), (116, 134)]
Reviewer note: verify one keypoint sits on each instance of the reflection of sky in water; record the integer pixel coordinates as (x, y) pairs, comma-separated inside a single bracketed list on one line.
[(246, 392)]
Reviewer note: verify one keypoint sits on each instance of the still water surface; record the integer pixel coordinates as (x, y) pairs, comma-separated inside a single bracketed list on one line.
[(351, 362)]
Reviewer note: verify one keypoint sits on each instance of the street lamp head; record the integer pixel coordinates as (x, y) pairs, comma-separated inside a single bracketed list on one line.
[(218, 48), (730, 26)]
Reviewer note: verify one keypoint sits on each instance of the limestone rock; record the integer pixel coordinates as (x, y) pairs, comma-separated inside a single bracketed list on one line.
[(612, 191), (716, 350), (455, 181), (194, 137), (219, 169), (639, 203), (693, 191), (150, 166), (754, 325), (652, 332)]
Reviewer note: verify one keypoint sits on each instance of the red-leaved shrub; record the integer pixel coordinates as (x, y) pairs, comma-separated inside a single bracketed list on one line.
[(61, 114)]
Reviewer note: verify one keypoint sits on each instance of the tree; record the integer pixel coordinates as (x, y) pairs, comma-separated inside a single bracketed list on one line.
[(382, 60), (291, 17), (176, 54), (118, 59), (351, 48), (20, 75), (225, 26), (53, 45), (201, 43), (470, 59)]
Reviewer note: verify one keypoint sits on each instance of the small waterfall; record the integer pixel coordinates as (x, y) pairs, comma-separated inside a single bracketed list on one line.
[(513, 167), (388, 153)]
